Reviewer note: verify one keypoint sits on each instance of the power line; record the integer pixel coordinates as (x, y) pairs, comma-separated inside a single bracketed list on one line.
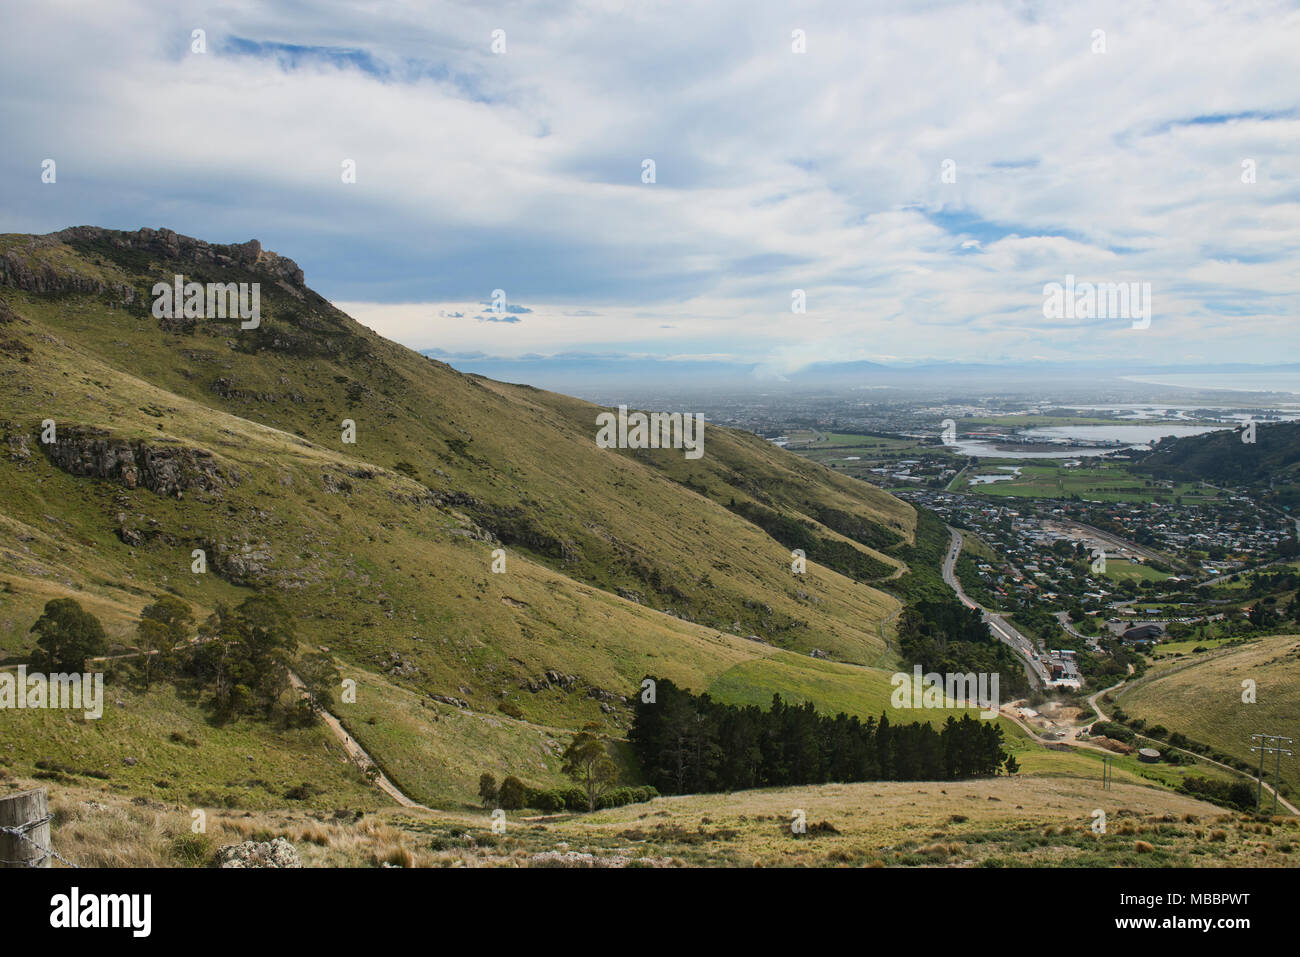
[(1264, 747)]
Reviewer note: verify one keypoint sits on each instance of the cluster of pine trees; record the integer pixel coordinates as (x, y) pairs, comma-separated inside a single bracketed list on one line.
[(948, 638), (690, 744)]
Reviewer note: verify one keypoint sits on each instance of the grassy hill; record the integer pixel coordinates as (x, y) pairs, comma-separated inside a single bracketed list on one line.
[(181, 434), (1202, 699), (999, 823), (173, 435), (1272, 461)]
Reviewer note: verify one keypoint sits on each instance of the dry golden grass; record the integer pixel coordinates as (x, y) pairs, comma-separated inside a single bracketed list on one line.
[(1031, 821), (95, 830)]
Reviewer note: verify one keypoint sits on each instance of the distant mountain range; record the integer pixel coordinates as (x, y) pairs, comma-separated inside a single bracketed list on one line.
[(578, 371)]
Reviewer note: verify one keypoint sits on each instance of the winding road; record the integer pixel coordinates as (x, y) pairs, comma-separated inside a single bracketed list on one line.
[(355, 752), (358, 755), (1268, 788), (1019, 643)]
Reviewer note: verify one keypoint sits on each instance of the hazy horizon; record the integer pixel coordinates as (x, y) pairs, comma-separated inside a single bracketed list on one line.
[(913, 179)]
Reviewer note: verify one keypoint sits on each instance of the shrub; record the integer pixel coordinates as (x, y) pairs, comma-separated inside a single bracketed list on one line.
[(1110, 729), (487, 789), (546, 801), (617, 797), (313, 832), (395, 854), (191, 850), (575, 798), (513, 794)]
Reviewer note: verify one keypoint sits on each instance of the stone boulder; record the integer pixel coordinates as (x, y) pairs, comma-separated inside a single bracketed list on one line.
[(275, 853)]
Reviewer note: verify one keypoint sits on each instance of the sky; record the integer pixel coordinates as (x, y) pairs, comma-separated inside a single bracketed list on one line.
[(920, 171)]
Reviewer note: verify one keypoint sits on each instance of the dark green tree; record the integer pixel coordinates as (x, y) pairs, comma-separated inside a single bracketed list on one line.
[(587, 761), (67, 636), (513, 794), (318, 676), (487, 789), (163, 627), (244, 655)]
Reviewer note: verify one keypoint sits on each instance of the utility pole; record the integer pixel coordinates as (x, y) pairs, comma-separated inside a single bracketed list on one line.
[(1259, 791), (1277, 770), (1105, 773), (1269, 744)]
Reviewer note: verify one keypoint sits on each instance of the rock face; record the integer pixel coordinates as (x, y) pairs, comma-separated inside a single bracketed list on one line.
[(276, 853), (552, 679), (448, 699), (162, 469), (243, 563), (162, 244), (16, 272), (7, 315), (397, 665), (16, 442)]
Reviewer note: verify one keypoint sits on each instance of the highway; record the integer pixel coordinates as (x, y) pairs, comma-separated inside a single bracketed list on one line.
[(1018, 642)]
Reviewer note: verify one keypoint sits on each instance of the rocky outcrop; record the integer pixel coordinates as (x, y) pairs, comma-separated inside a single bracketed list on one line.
[(448, 699), (22, 269), (274, 853), (138, 529), (243, 564), (164, 469), (227, 386), (552, 679), (397, 665), (600, 694), (170, 245), (21, 272), (16, 441)]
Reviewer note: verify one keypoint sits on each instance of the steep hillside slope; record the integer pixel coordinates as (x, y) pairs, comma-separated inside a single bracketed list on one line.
[(1271, 461), (179, 434), (1202, 699)]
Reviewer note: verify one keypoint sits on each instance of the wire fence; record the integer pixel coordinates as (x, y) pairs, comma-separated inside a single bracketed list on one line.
[(20, 832)]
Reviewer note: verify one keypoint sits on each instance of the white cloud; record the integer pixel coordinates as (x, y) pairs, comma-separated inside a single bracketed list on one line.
[(776, 171)]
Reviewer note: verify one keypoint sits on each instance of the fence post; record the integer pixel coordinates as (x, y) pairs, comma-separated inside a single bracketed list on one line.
[(19, 810)]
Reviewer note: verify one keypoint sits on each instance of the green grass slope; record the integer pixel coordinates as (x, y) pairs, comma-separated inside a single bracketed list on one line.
[(619, 563), (1203, 699)]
